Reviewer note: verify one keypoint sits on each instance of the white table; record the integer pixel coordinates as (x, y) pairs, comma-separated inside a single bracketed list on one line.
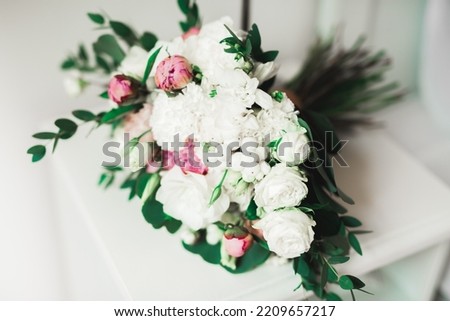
[(112, 253)]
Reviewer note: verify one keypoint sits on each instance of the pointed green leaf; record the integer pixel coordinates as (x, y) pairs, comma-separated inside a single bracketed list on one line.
[(44, 135), (148, 40), (117, 113), (108, 45), (124, 32), (69, 63), (150, 63), (354, 243), (349, 282), (338, 259), (97, 18), (351, 221)]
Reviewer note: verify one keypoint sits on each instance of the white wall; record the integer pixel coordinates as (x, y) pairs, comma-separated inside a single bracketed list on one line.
[(36, 35)]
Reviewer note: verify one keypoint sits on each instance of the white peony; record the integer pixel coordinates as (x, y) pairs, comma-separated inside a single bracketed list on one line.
[(186, 197), (288, 232), (293, 148), (274, 122), (283, 187)]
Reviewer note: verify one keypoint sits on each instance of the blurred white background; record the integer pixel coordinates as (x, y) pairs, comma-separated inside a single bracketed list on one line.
[(36, 35)]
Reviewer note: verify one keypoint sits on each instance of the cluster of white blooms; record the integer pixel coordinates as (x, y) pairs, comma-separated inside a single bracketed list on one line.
[(227, 107)]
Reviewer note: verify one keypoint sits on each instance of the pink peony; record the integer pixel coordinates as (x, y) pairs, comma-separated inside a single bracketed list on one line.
[(173, 73), (237, 241), (122, 88), (191, 32)]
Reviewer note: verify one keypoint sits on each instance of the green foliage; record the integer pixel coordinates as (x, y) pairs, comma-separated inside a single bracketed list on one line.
[(37, 152), (351, 221), (118, 113), (84, 115), (96, 18), (343, 84), (148, 40), (353, 240), (107, 45), (190, 9), (124, 32), (349, 282), (44, 135), (150, 63), (251, 211)]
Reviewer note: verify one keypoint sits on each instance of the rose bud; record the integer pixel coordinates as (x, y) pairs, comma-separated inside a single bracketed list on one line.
[(237, 241), (122, 88), (173, 73), (191, 32)]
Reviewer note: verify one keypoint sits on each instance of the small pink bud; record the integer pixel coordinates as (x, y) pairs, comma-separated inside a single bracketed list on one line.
[(122, 88), (237, 241), (191, 32), (173, 73)]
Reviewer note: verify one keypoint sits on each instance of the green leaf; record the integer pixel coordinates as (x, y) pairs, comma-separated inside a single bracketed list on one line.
[(84, 115), (173, 225), (324, 276), (96, 18), (184, 6), (104, 95), (124, 32), (302, 267), (268, 56), (103, 64), (82, 54), (67, 128), (150, 63), (117, 113), (255, 37), (209, 253), (354, 243), (215, 194), (349, 282), (153, 213), (254, 257), (108, 45), (45, 135), (351, 221), (338, 259), (37, 152), (332, 297), (148, 40), (141, 183), (69, 63), (332, 277), (250, 213)]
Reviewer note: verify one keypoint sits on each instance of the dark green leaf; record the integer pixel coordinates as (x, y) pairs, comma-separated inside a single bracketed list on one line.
[(268, 56), (124, 32), (332, 277), (84, 115), (117, 113), (148, 40), (173, 225), (210, 253), (324, 276), (349, 282), (328, 223), (104, 95), (184, 6), (103, 64), (150, 63), (332, 297), (255, 256), (108, 45), (44, 135), (141, 183), (250, 213), (354, 243), (67, 128), (351, 221), (37, 152), (82, 54), (97, 18), (153, 213), (302, 267), (69, 63), (338, 259), (55, 143)]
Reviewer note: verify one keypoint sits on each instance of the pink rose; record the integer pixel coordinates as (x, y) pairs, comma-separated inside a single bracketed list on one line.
[(191, 32), (122, 88), (237, 241), (173, 73)]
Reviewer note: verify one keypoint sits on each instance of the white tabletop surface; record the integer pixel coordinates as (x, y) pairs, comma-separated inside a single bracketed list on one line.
[(405, 205)]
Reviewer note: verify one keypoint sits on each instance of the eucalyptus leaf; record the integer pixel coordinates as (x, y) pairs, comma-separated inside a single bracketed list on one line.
[(37, 152), (124, 32), (150, 63), (108, 45), (353, 240), (45, 135), (351, 221), (84, 115), (97, 18), (349, 282), (338, 259), (119, 112), (148, 40)]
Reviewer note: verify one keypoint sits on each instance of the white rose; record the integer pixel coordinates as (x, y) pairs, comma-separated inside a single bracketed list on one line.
[(276, 121), (186, 197), (293, 148), (288, 232), (283, 187)]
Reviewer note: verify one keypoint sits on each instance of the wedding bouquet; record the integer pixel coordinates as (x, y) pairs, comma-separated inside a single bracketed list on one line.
[(214, 154)]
